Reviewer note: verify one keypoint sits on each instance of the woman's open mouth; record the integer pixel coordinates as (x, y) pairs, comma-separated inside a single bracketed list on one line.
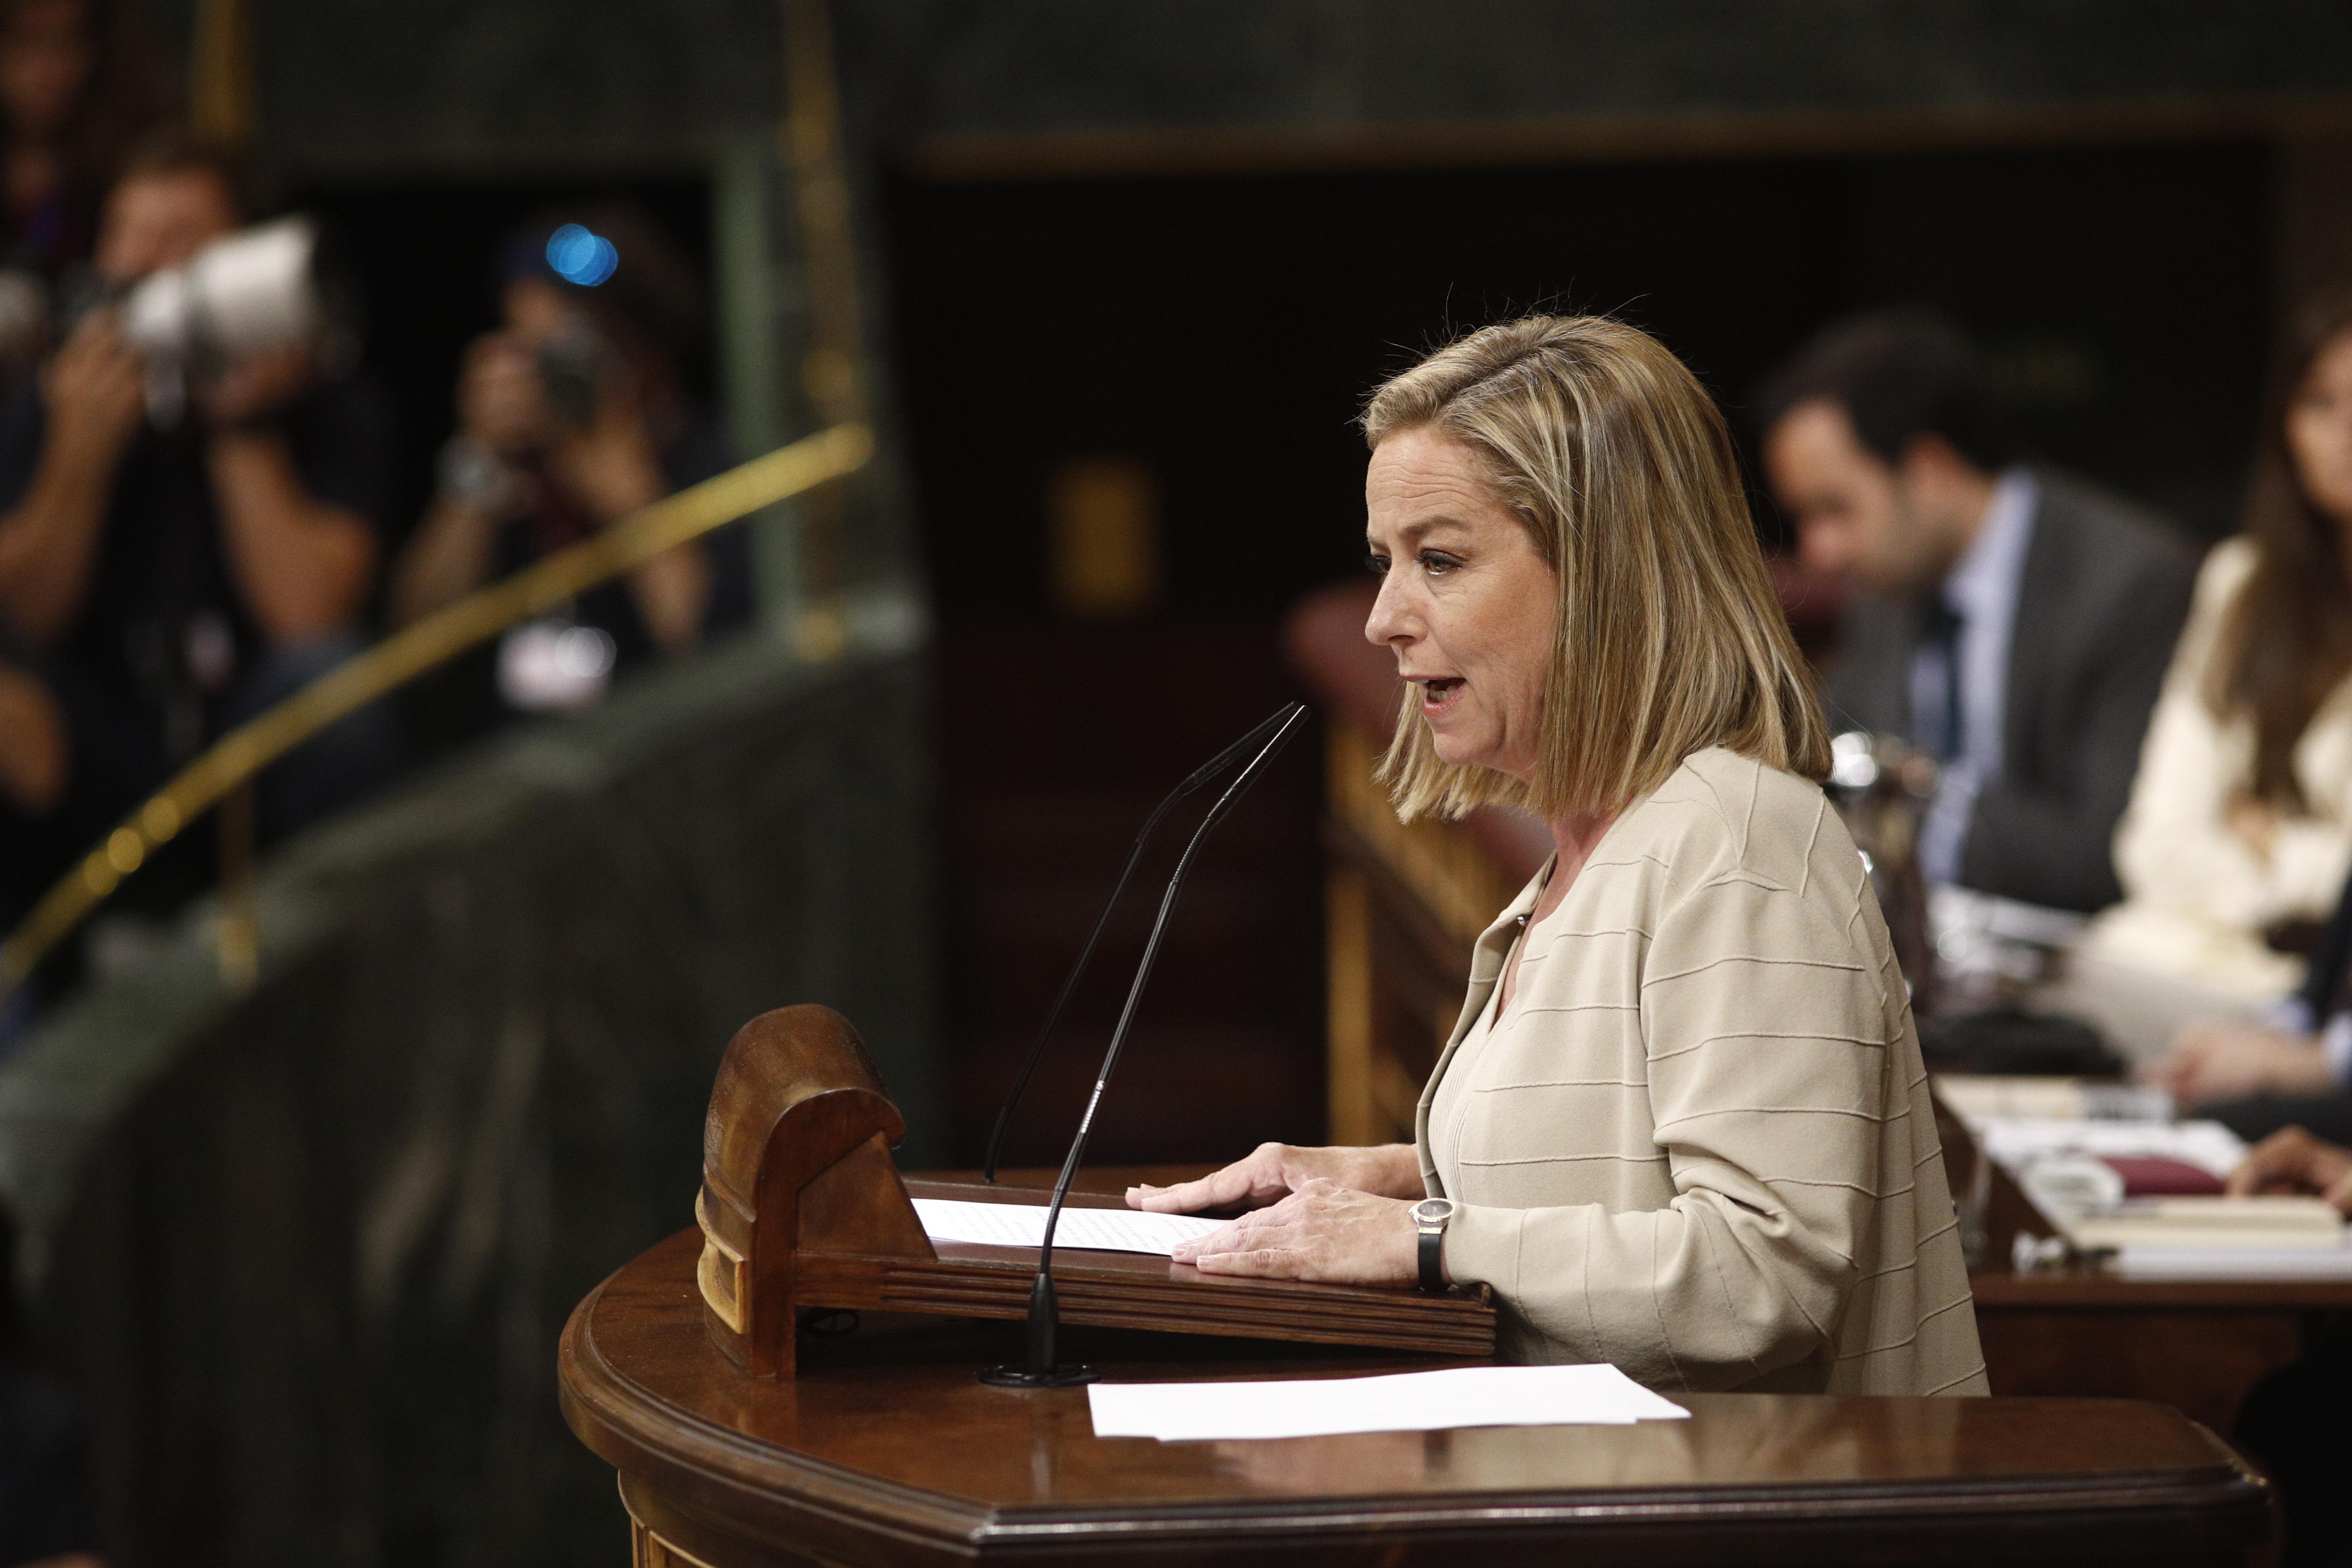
[(1438, 695)]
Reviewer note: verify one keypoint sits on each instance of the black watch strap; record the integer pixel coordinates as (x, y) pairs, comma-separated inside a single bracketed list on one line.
[(1433, 1261)]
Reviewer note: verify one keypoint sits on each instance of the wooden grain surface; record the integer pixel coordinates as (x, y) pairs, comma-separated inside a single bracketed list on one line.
[(886, 1449)]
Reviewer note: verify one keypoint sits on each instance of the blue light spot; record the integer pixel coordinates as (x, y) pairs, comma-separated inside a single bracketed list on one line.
[(581, 256), (569, 250)]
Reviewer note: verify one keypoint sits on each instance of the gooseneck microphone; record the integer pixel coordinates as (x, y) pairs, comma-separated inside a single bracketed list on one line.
[(1043, 1367), (1199, 776)]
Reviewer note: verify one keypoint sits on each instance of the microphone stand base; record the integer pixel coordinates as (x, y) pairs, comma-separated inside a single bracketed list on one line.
[(1010, 1376)]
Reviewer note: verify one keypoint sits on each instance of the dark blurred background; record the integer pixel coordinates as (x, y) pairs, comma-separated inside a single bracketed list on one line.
[(1213, 340)]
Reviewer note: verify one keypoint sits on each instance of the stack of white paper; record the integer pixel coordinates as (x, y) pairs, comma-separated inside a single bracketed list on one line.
[(2204, 1224), (1978, 1098), (1089, 1230), (2177, 1263), (1403, 1402)]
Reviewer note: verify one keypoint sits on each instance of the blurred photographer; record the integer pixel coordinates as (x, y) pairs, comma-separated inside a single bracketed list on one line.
[(180, 574), (577, 412), (36, 751), (79, 87)]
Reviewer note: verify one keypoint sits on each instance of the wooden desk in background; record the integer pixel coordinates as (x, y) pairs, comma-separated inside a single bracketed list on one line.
[(2199, 1345), (886, 1449), (1404, 905)]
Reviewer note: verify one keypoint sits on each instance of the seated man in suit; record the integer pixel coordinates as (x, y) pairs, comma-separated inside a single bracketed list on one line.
[(2010, 621)]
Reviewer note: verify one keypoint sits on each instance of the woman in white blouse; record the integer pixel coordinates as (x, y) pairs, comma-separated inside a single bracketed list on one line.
[(2241, 819)]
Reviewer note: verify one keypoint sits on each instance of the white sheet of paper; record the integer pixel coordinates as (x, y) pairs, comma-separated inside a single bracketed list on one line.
[(1088, 1230), (1399, 1402), (2234, 1263)]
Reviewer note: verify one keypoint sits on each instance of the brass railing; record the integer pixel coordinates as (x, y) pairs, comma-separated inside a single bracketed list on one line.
[(233, 761)]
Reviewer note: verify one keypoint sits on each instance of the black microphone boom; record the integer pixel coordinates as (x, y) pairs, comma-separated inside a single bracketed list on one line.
[(1193, 781), (1043, 1368)]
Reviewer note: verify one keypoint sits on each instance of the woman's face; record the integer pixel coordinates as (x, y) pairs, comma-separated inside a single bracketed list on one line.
[(2319, 430), (1467, 603)]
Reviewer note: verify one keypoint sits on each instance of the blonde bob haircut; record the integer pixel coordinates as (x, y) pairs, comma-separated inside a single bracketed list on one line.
[(1668, 637)]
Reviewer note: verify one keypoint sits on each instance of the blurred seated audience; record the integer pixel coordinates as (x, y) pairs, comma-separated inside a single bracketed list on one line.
[(2010, 621), (2239, 835), (79, 89), (179, 575), (44, 825), (576, 412), (34, 753), (33, 747)]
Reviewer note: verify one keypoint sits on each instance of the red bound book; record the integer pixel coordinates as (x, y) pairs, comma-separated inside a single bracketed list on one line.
[(2147, 1176)]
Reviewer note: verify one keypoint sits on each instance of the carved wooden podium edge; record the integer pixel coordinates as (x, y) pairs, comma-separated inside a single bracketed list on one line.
[(802, 1206)]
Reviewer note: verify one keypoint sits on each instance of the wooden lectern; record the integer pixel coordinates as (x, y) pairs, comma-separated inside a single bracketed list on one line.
[(882, 1446), (803, 1207), (887, 1449)]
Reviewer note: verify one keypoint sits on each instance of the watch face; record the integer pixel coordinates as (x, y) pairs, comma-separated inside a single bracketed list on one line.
[(1433, 1210)]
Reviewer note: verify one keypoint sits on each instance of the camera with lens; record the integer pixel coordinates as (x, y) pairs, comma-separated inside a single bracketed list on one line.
[(573, 366), (271, 286)]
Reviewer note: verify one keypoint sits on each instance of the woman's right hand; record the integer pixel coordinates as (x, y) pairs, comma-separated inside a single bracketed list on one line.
[(1272, 1171), (2292, 1161)]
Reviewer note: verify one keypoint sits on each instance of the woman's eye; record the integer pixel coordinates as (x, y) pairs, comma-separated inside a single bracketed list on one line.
[(1378, 565), (1437, 565)]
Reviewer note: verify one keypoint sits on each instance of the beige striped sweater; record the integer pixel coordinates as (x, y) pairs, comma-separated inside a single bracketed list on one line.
[(1699, 1143)]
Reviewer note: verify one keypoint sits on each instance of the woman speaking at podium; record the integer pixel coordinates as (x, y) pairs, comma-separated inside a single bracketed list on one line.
[(1682, 1125)]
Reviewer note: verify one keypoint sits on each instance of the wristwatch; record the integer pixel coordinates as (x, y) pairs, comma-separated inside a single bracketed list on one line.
[(478, 479), (1430, 1216)]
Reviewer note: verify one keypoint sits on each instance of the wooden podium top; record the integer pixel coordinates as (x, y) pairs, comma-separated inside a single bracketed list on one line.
[(886, 1449)]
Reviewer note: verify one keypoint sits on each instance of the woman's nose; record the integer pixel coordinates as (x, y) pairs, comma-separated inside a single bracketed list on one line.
[(1390, 619)]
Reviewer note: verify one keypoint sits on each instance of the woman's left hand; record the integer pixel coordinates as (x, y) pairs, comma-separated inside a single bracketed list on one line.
[(1322, 1232)]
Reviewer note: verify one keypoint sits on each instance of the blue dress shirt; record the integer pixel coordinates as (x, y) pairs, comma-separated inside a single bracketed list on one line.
[(1981, 589)]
